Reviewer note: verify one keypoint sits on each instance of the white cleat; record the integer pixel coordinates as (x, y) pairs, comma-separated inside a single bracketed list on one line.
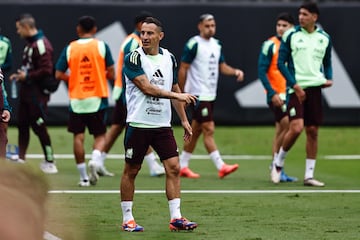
[(313, 183), (50, 236), (48, 167), (84, 183), (157, 171), (16, 160), (102, 171), (93, 172), (275, 175)]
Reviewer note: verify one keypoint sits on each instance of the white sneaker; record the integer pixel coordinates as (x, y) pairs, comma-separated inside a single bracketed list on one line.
[(313, 182), (157, 171), (102, 171), (48, 167), (16, 160), (50, 236), (84, 183), (93, 174), (275, 175)]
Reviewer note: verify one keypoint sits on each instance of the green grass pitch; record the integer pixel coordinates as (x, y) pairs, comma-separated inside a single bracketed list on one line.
[(247, 207)]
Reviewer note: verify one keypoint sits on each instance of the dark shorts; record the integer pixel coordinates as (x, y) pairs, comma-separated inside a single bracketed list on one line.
[(138, 140), (277, 112), (310, 110), (203, 111), (3, 139), (31, 109), (119, 113), (95, 122)]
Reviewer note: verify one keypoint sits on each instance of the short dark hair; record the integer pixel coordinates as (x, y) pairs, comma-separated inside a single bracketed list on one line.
[(141, 17), (87, 23), (205, 17), (285, 16), (26, 18), (311, 6), (154, 21)]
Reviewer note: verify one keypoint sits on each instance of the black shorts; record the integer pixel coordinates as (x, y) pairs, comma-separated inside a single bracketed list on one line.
[(310, 110), (138, 140), (278, 112), (95, 122), (119, 113), (203, 111)]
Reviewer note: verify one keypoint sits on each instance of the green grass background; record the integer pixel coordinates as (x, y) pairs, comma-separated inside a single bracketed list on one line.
[(248, 216)]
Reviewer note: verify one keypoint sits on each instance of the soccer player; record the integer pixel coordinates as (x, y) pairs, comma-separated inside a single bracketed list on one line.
[(5, 117), (91, 65), (150, 74), (131, 42), (5, 65), (37, 64), (201, 62), (5, 53), (305, 62), (275, 84)]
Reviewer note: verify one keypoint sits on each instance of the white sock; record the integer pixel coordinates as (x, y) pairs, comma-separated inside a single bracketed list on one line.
[(103, 157), (274, 158), (82, 170), (280, 159), (96, 156), (174, 207), (309, 168), (185, 159), (151, 160), (126, 207), (217, 160)]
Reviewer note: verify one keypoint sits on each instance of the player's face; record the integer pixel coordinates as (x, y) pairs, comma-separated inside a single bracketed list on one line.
[(151, 36), (207, 28), (282, 26), (307, 19), (22, 30)]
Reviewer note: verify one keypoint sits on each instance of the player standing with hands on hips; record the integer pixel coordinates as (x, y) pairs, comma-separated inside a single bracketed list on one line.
[(201, 62), (151, 87)]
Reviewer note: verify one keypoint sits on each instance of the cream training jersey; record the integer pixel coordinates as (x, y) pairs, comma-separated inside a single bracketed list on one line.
[(144, 110), (204, 57)]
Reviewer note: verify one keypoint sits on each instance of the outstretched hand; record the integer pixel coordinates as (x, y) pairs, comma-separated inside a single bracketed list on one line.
[(187, 98)]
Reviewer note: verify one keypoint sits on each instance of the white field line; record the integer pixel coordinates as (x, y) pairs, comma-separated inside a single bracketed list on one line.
[(50, 236), (202, 191), (203, 157)]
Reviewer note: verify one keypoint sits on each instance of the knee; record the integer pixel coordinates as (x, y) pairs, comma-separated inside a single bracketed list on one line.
[(172, 169), (312, 131), (132, 171), (39, 129), (208, 131), (297, 128)]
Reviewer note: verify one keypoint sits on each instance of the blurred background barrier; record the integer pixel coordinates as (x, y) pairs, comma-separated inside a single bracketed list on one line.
[(242, 26)]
